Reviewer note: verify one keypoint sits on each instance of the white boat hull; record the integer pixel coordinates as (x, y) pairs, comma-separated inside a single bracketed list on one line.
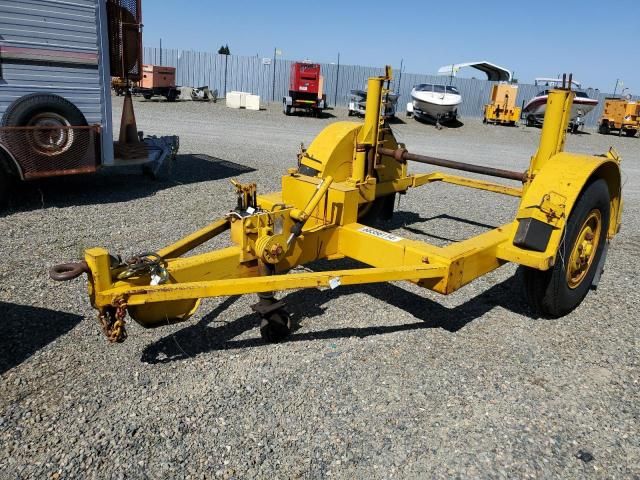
[(434, 105), (537, 107)]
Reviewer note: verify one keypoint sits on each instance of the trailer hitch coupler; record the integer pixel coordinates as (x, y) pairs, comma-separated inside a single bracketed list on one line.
[(68, 271)]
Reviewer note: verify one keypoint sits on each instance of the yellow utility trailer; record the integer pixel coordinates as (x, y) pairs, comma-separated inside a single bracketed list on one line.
[(502, 109), (621, 115), (570, 207)]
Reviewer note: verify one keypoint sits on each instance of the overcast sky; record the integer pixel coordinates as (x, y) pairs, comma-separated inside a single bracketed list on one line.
[(598, 41)]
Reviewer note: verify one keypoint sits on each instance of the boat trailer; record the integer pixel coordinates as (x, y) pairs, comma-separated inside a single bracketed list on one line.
[(570, 207)]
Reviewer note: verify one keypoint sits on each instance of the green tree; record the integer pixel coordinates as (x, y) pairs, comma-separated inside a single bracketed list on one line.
[(224, 50)]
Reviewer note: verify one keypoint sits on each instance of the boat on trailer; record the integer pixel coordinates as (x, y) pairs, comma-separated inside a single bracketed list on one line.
[(436, 102), (535, 109), (358, 103), (440, 101)]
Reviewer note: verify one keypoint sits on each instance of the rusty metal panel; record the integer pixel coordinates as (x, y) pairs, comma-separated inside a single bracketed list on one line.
[(50, 151), (124, 19)]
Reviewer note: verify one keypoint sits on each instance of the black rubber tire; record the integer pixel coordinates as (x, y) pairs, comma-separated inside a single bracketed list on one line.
[(286, 109), (531, 122), (604, 129), (4, 188), (547, 292), (172, 96), (379, 210), (630, 132), (147, 96), (23, 110), (275, 326)]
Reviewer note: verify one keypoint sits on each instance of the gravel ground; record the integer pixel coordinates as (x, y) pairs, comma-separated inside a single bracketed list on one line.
[(380, 381)]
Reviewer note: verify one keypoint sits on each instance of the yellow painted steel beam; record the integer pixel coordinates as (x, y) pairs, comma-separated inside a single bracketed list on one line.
[(420, 179), (466, 260), (554, 128), (141, 295), (480, 185), (195, 239)]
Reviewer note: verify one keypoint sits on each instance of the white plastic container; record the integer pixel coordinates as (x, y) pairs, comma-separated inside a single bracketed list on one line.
[(234, 99), (252, 102)]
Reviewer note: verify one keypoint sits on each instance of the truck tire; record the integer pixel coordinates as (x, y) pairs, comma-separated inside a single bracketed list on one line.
[(604, 129), (172, 95), (40, 109), (555, 292), (4, 188), (631, 132)]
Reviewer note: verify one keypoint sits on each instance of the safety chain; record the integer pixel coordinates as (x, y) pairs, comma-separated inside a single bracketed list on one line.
[(112, 321), (145, 263)]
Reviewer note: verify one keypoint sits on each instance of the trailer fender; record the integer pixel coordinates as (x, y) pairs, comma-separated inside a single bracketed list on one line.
[(9, 164), (548, 201)]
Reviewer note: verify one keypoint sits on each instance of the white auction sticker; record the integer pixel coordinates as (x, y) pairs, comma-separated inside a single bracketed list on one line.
[(380, 234)]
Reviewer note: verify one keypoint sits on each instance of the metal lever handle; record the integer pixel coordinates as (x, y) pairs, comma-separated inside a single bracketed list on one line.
[(301, 216)]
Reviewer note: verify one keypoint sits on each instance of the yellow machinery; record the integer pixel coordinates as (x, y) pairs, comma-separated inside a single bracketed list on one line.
[(502, 109), (622, 115), (570, 208)]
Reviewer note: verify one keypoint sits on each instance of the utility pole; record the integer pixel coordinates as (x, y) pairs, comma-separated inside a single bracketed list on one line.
[(615, 89), (226, 59), (335, 97), (399, 78), (273, 86), (160, 52)]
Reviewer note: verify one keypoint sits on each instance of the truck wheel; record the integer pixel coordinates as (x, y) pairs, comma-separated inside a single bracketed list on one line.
[(147, 96), (630, 132), (604, 129), (557, 291), (286, 109), (531, 121), (45, 110)]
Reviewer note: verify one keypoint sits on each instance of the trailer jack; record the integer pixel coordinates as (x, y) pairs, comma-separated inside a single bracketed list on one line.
[(569, 203)]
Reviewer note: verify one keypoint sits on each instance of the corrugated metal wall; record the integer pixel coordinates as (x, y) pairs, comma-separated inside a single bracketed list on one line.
[(250, 74), (69, 26)]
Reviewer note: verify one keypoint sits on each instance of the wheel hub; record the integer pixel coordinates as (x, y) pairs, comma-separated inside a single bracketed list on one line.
[(51, 135), (584, 249)]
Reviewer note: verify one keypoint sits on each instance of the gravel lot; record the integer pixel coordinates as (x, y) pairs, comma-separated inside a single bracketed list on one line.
[(382, 381)]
